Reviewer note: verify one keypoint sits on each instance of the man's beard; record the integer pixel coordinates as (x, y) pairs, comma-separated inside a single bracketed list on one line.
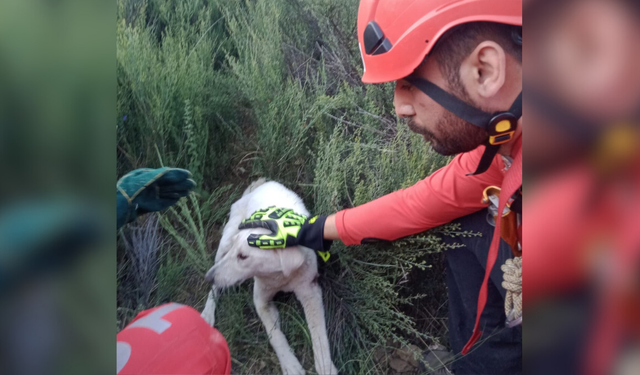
[(455, 135)]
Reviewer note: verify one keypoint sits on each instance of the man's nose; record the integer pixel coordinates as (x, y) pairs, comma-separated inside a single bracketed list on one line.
[(405, 110), (402, 101)]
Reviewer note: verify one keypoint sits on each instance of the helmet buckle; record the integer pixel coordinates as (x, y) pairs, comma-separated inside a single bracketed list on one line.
[(501, 128)]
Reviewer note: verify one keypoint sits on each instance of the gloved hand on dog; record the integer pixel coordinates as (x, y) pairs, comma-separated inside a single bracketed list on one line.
[(147, 190), (287, 229)]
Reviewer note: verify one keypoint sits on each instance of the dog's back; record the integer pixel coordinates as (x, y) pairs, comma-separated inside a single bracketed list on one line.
[(262, 194), (273, 193), (254, 185)]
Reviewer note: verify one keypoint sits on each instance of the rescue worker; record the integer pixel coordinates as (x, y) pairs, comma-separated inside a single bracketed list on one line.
[(457, 67), (171, 338)]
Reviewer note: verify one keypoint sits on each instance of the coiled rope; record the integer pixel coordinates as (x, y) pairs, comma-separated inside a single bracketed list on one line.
[(512, 282)]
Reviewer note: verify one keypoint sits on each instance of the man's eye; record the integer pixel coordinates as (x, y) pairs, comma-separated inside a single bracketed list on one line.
[(242, 256)]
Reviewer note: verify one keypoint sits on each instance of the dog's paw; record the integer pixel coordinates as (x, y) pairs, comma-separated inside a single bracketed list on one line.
[(292, 368)]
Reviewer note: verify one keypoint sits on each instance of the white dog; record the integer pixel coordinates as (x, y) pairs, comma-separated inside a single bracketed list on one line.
[(293, 269)]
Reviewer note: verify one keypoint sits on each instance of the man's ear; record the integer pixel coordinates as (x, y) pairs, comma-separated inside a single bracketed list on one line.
[(290, 260), (484, 70)]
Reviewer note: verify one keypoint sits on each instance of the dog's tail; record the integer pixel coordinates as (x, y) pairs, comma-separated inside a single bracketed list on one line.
[(254, 186)]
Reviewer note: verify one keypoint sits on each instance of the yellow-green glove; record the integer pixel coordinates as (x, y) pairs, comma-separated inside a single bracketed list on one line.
[(287, 229)]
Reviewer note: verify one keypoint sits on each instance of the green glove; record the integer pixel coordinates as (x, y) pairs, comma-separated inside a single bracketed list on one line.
[(287, 229), (148, 190)]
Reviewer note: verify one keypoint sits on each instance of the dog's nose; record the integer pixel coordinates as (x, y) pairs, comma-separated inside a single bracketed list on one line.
[(209, 277)]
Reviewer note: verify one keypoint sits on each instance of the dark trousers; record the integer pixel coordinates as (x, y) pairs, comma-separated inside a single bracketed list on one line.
[(499, 350)]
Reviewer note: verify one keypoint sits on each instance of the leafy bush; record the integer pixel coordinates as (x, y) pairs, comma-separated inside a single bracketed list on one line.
[(234, 90), (170, 92)]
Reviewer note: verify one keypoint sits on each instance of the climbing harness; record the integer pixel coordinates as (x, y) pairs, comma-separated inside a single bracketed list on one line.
[(512, 269), (510, 221)]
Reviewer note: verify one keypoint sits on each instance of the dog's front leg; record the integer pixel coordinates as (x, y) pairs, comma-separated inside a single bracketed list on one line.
[(270, 318), (209, 311), (310, 296)]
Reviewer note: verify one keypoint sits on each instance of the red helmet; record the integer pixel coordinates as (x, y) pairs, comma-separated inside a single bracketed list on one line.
[(396, 35)]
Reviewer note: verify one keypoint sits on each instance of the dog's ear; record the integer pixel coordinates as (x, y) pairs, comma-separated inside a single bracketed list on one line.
[(228, 240), (223, 249), (290, 260)]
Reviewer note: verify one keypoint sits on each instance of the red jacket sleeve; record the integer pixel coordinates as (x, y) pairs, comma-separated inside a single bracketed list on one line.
[(445, 195)]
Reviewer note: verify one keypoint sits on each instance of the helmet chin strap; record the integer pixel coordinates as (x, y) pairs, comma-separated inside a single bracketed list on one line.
[(501, 126)]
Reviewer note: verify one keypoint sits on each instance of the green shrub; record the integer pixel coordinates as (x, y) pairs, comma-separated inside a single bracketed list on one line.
[(170, 91)]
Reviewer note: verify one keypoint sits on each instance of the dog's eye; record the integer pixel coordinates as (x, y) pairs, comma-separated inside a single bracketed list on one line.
[(242, 256)]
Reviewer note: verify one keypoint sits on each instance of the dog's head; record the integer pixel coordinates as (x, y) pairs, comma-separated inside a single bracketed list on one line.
[(236, 261)]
